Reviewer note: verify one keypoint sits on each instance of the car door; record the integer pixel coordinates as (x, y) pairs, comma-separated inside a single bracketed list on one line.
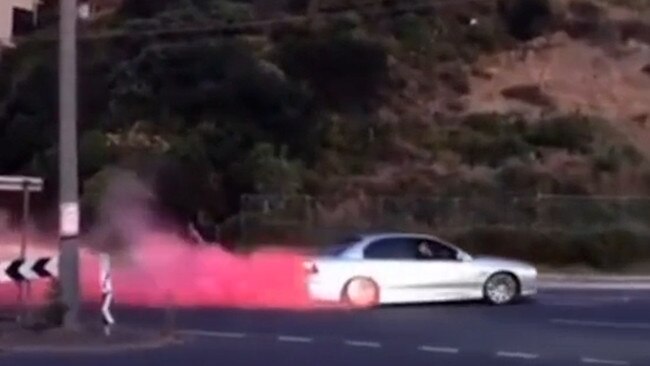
[(445, 275), (394, 264)]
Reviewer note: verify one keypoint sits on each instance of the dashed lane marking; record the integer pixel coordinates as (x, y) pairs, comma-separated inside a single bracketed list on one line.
[(570, 304), (294, 339), (208, 333), (597, 361), (367, 344), (601, 324), (436, 349), (522, 355)]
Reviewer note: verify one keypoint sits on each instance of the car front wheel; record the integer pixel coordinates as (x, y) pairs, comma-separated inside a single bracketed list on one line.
[(501, 289)]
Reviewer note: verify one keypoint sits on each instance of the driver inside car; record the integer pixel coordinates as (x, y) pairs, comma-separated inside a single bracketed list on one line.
[(424, 251)]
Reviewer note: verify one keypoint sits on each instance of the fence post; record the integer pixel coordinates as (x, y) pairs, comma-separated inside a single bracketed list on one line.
[(538, 211)]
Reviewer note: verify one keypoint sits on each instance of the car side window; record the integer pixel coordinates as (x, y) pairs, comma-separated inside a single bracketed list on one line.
[(432, 250), (393, 248)]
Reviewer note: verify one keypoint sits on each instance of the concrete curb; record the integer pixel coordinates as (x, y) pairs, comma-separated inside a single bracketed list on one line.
[(127, 346), (593, 282)]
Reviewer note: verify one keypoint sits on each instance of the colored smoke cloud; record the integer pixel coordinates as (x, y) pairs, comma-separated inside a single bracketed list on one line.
[(155, 267)]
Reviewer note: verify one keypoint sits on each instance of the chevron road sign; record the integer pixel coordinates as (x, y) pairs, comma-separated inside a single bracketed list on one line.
[(22, 270)]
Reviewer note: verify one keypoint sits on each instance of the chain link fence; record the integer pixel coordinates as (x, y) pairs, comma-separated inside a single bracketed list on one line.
[(320, 219), (606, 233)]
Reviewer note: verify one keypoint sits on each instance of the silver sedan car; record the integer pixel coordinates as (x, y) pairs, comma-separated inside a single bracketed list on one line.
[(392, 268)]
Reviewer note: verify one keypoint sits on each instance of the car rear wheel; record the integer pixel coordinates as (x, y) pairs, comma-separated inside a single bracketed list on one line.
[(501, 289), (361, 292)]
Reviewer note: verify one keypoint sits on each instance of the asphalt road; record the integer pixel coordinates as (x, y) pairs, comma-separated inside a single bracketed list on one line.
[(559, 328)]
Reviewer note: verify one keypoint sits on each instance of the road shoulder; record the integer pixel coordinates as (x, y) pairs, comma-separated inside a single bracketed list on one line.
[(14, 339)]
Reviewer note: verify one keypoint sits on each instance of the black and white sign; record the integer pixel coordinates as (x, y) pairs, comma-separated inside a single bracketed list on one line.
[(21, 270)]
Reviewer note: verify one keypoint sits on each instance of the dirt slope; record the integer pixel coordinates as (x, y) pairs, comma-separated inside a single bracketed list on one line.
[(577, 76)]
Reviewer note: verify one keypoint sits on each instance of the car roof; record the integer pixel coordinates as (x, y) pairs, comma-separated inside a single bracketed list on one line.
[(396, 234)]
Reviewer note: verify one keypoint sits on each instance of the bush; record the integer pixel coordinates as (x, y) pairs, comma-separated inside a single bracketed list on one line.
[(94, 152), (478, 148), (526, 19), (455, 78), (615, 157), (646, 69), (607, 249), (573, 133), (344, 72), (413, 32), (531, 94), (489, 139), (520, 177), (585, 9)]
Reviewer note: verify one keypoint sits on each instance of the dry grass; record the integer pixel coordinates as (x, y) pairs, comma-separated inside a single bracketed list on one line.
[(580, 78)]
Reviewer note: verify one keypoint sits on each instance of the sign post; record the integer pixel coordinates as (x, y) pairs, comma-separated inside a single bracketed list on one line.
[(26, 185)]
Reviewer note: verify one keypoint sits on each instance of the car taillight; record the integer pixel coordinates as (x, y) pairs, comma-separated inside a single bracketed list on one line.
[(311, 267)]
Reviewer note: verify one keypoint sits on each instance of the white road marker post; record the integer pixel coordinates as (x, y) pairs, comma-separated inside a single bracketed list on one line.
[(106, 283)]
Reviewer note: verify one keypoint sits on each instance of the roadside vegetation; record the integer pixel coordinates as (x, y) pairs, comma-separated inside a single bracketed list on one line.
[(325, 109)]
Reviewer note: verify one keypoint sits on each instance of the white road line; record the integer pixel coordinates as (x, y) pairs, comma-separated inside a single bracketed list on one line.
[(294, 339), (436, 349), (593, 286), (601, 324), (362, 344), (526, 356), (603, 362), (208, 333), (596, 299), (569, 304)]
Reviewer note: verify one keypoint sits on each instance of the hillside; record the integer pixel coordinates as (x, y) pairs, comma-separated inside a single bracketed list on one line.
[(403, 97)]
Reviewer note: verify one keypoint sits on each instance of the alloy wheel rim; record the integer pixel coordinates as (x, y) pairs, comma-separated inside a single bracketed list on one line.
[(501, 289)]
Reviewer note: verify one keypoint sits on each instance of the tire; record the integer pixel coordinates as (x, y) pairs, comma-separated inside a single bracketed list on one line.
[(361, 292), (501, 289)]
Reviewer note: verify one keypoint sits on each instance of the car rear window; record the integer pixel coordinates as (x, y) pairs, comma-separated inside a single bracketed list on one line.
[(340, 246)]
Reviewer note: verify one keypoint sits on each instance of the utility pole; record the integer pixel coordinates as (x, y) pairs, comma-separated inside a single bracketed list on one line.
[(68, 167)]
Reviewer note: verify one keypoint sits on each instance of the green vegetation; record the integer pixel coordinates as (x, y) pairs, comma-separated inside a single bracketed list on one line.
[(299, 109), (605, 250)]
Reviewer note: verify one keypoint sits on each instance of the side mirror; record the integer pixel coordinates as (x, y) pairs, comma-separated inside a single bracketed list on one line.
[(464, 257)]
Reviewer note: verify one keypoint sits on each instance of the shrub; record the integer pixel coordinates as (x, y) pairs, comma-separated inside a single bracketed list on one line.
[(530, 94), (614, 157), (489, 139), (345, 72), (585, 9), (646, 69), (413, 32), (495, 124), (634, 29), (94, 152), (606, 249), (573, 133), (478, 148), (526, 19), (519, 177), (455, 78)]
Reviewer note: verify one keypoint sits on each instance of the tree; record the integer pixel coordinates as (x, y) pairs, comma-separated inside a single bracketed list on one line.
[(526, 19), (345, 72)]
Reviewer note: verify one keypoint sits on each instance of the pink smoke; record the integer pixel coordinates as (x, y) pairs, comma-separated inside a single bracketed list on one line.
[(158, 269)]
